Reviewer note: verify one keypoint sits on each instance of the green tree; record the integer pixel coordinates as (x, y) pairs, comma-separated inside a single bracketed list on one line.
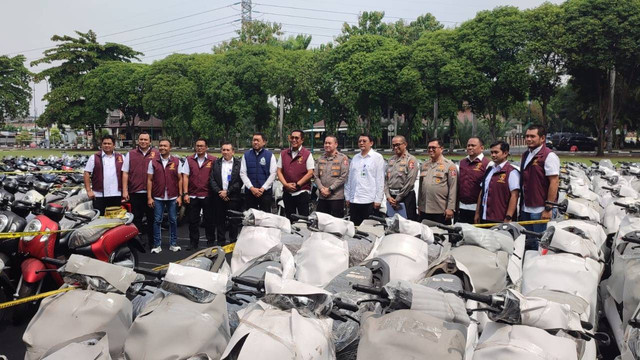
[(603, 40), (117, 86), (55, 136), (15, 92), (369, 23), (24, 137), (74, 57), (408, 33), (494, 43), (545, 35)]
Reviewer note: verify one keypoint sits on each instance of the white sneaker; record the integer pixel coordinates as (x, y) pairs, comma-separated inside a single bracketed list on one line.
[(175, 248), (156, 250)]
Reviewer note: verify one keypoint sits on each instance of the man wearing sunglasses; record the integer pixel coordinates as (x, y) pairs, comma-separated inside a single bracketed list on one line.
[(402, 170), (438, 184), (295, 170)]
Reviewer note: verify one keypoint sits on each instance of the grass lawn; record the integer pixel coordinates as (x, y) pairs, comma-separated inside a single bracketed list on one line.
[(563, 156)]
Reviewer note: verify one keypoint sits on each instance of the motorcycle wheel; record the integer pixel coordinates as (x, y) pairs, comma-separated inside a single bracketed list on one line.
[(125, 255), (23, 312)]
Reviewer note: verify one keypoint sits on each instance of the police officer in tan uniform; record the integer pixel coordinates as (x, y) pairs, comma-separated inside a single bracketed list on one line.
[(438, 184), (330, 175), (402, 170)]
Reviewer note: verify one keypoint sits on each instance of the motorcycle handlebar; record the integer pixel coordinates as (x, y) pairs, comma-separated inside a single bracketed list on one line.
[(56, 262), (378, 218), (344, 306), (370, 290), (362, 233), (300, 217), (531, 233), (485, 299), (250, 282), (633, 238), (234, 212), (621, 204), (149, 272), (608, 188)]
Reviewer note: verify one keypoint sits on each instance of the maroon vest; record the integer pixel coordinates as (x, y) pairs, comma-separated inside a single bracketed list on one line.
[(97, 176), (138, 165), (499, 193), (199, 176), (295, 169), (533, 180), (165, 178), (470, 179)]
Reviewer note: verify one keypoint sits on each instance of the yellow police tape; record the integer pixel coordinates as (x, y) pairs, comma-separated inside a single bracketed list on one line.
[(523, 223), (13, 235), (34, 297)]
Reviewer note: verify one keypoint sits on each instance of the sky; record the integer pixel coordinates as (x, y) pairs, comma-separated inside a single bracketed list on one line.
[(161, 27)]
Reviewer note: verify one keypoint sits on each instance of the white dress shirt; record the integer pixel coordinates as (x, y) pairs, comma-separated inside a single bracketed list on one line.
[(126, 164), (150, 172), (311, 164), (464, 206), (225, 172), (366, 179), (272, 173), (109, 175), (514, 184), (186, 169), (551, 167)]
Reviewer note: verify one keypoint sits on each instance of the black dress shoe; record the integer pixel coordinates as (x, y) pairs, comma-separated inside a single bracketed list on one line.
[(192, 247)]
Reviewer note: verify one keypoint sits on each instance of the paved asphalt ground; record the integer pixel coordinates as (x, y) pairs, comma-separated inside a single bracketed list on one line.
[(11, 345)]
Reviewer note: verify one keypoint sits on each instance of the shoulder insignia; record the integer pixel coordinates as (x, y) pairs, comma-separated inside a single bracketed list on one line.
[(412, 164), (453, 172)]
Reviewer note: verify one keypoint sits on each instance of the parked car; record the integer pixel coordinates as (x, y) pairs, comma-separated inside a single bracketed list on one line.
[(555, 138), (582, 142)]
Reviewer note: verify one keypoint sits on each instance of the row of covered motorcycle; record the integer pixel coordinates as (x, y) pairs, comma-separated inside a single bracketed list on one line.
[(55, 212), (391, 289)]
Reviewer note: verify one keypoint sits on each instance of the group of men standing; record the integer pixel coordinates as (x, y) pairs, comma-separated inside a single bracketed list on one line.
[(478, 191)]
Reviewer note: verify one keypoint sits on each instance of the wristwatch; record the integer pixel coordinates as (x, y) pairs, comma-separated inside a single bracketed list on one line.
[(508, 217), (548, 208)]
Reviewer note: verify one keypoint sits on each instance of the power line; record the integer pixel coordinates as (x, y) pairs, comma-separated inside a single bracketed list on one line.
[(301, 17), (182, 28), (189, 48), (311, 26), (168, 21), (188, 42), (185, 33), (310, 34)]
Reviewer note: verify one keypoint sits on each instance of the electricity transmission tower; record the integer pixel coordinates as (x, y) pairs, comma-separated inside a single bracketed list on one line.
[(246, 11)]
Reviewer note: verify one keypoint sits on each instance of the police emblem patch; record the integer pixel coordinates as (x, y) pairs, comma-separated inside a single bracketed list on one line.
[(263, 162)]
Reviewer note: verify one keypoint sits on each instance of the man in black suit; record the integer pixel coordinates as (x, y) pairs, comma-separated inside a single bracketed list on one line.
[(226, 183)]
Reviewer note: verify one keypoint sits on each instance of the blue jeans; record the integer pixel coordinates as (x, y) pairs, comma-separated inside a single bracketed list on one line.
[(158, 211), (532, 242)]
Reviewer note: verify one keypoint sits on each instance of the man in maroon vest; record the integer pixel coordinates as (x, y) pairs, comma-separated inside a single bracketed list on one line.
[(539, 169), (163, 191), (134, 183), (498, 199), (295, 169), (103, 176), (470, 175), (195, 182)]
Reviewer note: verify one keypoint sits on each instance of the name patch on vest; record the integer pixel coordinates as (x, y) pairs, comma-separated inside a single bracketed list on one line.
[(502, 178), (263, 161)]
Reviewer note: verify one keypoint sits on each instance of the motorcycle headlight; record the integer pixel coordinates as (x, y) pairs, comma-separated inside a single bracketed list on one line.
[(13, 227), (32, 226), (4, 220)]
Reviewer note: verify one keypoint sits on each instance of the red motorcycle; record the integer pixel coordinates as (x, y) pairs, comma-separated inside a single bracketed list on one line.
[(117, 245)]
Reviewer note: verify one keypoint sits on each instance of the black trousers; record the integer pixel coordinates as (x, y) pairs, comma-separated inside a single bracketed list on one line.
[(439, 218), (359, 212), (101, 203), (261, 203), (296, 204), (466, 216), (334, 208), (223, 224), (195, 206), (409, 202), (140, 209)]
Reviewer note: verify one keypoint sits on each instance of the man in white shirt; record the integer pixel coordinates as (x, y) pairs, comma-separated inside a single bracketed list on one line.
[(163, 191), (226, 185), (295, 170), (258, 171), (103, 176), (540, 170), (365, 186), (498, 198)]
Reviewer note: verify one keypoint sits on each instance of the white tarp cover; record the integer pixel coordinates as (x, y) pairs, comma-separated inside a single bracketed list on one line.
[(400, 225), (334, 225), (410, 334), (563, 273), (253, 241), (507, 342), (202, 279), (118, 276), (321, 258), (487, 239), (407, 256), (275, 334), (566, 239), (488, 269), (625, 269), (89, 347), (76, 313), (264, 219), (172, 327)]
